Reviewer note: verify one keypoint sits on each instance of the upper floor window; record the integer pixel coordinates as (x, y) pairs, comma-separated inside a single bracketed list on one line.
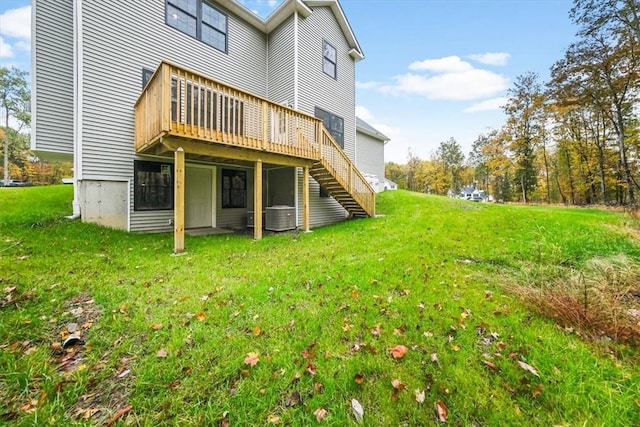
[(199, 19), (329, 61)]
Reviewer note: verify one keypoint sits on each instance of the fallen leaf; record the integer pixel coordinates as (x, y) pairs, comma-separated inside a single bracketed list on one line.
[(156, 326), (358, 412), (273, 419), (491, 365), (257, 330), (358, 378), (318, 388), (537, 390), (434, 358), (528, 368), (162, 353), (398, 351), (124, 373), (118, 415), (455, 348), (293, 399), (311, 369), (397, 384), (320, 414), (419, 396), (201, 316), (251, 359), (441, 411), (438, 306)]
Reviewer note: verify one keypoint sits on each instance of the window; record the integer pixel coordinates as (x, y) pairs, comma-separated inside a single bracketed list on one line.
[(199, 19), (146, 76), (329, 60), (234, 189), (333, 123), (153, 186)]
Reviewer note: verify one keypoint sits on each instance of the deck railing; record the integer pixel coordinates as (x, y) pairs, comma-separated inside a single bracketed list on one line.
[(346, 173), (183, 103)]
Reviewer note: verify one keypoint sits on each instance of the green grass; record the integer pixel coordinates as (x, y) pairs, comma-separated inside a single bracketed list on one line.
[(432, 274)]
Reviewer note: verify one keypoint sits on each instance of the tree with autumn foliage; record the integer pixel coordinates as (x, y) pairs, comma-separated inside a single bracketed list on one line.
[(14, 107)]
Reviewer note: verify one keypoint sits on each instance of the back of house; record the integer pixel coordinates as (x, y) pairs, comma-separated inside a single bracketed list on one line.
[(264, 110)]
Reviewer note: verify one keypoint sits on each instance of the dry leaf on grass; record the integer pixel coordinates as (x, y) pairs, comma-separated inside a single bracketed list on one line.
[(320, 414), (398, 351), (252, 359), (357, 409), (441, 411), (528, 368), (420, 396)]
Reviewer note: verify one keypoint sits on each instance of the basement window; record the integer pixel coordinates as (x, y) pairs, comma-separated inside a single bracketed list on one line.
[(199, 19), (152, 186), (234, 189)]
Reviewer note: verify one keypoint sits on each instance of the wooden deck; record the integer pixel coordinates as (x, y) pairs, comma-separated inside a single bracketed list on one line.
[(180, 108)]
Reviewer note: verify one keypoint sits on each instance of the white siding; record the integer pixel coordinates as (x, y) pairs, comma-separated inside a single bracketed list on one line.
[(370, 156), (281, 62), (119, 40), (53, 76), (336, 96)]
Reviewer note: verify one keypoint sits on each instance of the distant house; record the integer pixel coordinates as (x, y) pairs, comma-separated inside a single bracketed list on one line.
[(467, 191), (370, 153), (390, 185), (193, 113)]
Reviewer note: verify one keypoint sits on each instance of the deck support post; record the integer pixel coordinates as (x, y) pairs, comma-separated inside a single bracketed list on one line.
[(305, 198), (178, 208), (257, 200)]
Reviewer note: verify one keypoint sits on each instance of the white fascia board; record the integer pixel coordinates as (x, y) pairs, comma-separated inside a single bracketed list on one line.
[(377, 136), (282, 12)]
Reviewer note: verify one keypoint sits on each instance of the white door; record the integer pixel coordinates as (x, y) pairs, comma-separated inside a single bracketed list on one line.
[(198, 198)]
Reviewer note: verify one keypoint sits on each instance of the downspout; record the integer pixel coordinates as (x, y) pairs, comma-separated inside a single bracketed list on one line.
[(77, 107), (295, 60)]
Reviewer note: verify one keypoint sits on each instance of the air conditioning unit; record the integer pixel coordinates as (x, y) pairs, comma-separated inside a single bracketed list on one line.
[(280, 218), (251, 218)]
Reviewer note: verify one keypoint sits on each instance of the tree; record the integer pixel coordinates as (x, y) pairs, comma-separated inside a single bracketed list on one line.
[(604, 72), (451, 160), (606, 15), (525, 125), (14, 101)]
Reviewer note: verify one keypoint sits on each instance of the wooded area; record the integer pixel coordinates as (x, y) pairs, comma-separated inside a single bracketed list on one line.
[(574, 139)]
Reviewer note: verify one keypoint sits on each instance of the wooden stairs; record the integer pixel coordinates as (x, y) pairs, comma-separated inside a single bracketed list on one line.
[(321, 172)]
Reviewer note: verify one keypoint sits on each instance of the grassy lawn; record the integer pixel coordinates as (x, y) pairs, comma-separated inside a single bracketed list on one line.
[(290, 329)]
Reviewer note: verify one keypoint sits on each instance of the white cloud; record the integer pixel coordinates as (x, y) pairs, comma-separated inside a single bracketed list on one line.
[(6, 51), (368, 85), (492, 104), (448, 64), (459, 86), (491, 58), (364, 113), (16, 23), (447, 78)]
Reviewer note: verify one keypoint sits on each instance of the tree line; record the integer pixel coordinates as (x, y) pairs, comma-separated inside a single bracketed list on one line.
[(574, 139)]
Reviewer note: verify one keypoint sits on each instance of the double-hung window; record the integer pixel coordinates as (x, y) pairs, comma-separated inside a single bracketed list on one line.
[(329, 60), (199, 19)]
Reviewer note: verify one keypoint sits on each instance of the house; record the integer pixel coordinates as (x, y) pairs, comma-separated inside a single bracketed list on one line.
[(390, 185), (192, 113), (370, 153)]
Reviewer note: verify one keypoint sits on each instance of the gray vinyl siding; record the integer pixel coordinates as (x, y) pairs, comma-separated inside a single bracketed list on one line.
[(322, 210), (370, 155), (316, 88), (281, 62), (336, 96), (119, 40), (53, 76)]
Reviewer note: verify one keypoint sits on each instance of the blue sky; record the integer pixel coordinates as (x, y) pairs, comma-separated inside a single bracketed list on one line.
[(433, 69)]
